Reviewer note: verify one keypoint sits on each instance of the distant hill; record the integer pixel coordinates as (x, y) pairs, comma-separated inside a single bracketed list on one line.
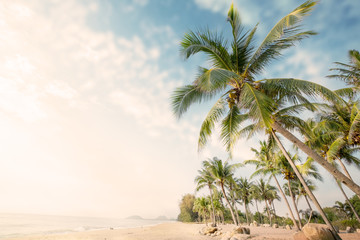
[(134, 217), (161, 218)]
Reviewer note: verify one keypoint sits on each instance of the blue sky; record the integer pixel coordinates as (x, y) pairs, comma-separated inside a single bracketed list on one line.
[(85, 114)]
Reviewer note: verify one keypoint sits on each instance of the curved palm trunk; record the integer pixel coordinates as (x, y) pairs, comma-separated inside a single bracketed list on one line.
[(308, 191), (348, 201), (227, 201), (268, 211), (287, 202), (294, 203), (212, 206), (311, 153)]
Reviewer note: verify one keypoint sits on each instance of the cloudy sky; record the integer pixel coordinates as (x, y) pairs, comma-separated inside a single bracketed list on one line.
[(85, 121)]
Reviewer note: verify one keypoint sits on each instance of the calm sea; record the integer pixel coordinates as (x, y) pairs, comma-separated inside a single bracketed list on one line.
[(16, 225)]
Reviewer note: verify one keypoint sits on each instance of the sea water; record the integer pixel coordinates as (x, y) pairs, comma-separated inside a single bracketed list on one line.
[(17, 225)]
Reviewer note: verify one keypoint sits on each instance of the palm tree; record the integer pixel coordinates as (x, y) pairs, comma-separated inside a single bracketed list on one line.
[(350, 73), (201, 206), (289, 176), (331, 138), (266, 191), (222, 173), (244, 193), (265, 163), (204, 179), (233, 76)]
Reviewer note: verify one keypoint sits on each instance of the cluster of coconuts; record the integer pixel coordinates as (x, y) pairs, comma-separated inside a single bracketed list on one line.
[(289, 175), (233, 96)]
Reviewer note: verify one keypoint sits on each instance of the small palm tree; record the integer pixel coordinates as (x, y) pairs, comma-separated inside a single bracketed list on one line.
[(222, 173), (244, 188), (205, 179), (265, 162), (201, 206), (266, 191)]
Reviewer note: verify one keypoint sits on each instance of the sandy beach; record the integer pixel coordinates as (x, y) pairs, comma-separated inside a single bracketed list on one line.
[(172, 231)]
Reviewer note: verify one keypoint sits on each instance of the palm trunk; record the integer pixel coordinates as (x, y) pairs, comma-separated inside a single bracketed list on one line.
[(348, 201), (308, 191), (268, 212), (287, 203), (308, 203), (273, 206), (212, 206), (294, 203), (227, 201), (345, 171), (311, 153), (260, 217), (236, 213), (246, 213)]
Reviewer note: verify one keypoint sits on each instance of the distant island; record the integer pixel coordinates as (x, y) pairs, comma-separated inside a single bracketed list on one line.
[(134, 217)]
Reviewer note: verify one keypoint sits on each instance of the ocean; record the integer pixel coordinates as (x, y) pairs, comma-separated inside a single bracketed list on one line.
[(17, 225)]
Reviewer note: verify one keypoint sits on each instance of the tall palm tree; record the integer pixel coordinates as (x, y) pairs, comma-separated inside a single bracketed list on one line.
[(205, 179), (244, 193), (265, 162), (222, 173), (232, 76)]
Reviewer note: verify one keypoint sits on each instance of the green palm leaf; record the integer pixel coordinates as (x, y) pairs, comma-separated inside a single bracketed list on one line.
[(259, 105), (214, 115), (183, 97), (282, 36)]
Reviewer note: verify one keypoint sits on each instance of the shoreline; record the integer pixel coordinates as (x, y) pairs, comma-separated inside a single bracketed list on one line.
[(169, 231)]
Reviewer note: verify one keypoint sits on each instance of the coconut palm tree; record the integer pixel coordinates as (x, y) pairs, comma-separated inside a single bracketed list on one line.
[(266, 192), (222, 173), (201, 206), (265, 162), (289, 175), (232, 76), (205, 179), (328, 137), (256, 196), (244, 193)]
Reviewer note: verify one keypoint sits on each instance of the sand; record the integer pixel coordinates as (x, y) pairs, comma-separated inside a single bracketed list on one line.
[(172, 231)]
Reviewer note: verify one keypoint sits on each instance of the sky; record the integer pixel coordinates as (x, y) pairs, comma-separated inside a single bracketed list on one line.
[(85, 117)]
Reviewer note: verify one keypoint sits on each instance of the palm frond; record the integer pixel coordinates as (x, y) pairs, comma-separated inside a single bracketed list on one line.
[(259, 105), (212, 44), (230, 127), (283, 35), (183, 97), (215, 79), (211, 119)]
